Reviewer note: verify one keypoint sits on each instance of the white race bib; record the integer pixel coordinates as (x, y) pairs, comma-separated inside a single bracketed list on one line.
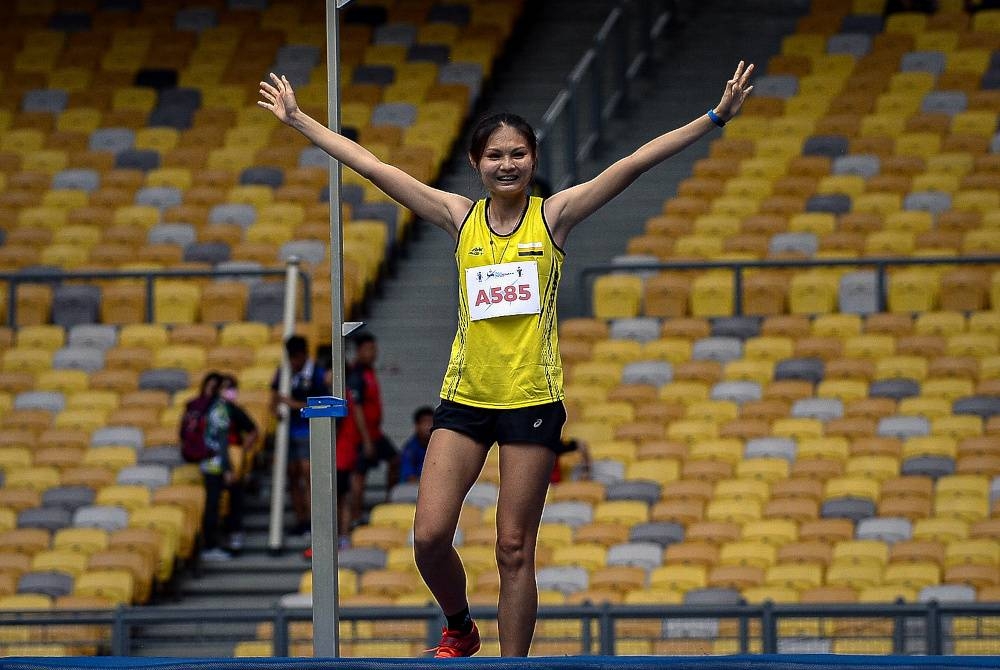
[(503, 289)]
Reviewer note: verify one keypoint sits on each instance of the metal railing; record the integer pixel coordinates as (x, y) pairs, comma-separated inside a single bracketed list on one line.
[(881, 266), (914, 628), (598, 88), (149, 278)]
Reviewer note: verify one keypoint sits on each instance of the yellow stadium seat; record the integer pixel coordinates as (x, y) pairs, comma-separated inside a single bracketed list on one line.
[(940, 529), (617, 296), (913, 291), (812, 292), (712, 295)]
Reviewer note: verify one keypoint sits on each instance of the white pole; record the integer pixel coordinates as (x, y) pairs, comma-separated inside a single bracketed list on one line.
[(276, 526), (326, 618)]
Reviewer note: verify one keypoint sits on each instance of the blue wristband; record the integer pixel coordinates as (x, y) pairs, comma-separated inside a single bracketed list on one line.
[(716, 119)]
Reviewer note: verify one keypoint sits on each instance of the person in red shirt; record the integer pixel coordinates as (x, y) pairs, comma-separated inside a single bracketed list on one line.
[(363, 388)]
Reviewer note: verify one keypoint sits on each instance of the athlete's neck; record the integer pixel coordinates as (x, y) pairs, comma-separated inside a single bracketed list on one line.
[(503, 213)]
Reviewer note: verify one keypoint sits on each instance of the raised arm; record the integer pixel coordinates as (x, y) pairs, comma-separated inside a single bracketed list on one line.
[(567, 208), (443, 209)]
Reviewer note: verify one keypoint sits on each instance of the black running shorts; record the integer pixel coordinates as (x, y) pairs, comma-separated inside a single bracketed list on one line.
[(538, 424)]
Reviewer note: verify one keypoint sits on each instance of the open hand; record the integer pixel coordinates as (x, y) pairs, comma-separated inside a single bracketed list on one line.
[(279, 98), (736, 92)]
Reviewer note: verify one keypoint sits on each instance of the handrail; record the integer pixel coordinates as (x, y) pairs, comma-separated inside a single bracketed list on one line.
[(770, 615), (880, 263), (597, 88), (15, 279)]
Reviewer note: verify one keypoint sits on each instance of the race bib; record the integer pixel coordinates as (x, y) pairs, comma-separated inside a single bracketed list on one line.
[(504, 289)]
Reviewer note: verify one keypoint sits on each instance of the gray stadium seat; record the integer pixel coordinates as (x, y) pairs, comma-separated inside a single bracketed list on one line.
[(75, 304), (831, 146), (108, 517), (885, 529), (847, 508), (868, 24), (930, 466), (45, 100), (809, 369), (634, 489), (163, 454), (137, 159), (640, 328), (313, 157), (398, 32), (248, 279), (927, 201), (382, 75), (161, 197), (114, 140), (195, 19), (944, 102), (308, 251), (482, 494), (896, 389), (722, 349), (607, 471), (148, 475), (947, 593), (570, 512), (170, 380), (402, 114), (82, 179), (50, 401), (68, 497), (903, 426), (242, 214), (923, 61), (855, 44), (770, 447), (862, 165), (262, 175), (656, 373), (834, 203), (738, 391), (646, 555), (181, 234), (433, 53), (52, 584), (291, 55), (803, 243), (563, 578), (712, 595), (361, 559), (78, 358), (742, 327), (823, 409), (467, 74), (857, 293), (776, 86), (266, 302), (207, 252), (93, 336), (662, 533), (983, 406), (49, 518), (130, 436)]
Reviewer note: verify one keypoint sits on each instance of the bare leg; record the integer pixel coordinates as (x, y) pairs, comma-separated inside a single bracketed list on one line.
[(525, 470), (450, 469), (356, 495)]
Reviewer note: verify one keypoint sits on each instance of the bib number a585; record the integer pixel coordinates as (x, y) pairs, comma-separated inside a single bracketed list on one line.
[(503, 289)]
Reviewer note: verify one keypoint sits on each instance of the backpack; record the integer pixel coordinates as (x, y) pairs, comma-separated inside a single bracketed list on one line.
[(193, 423)]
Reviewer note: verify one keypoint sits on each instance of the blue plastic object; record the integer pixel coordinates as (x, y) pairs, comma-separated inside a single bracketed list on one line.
[(324, 406)]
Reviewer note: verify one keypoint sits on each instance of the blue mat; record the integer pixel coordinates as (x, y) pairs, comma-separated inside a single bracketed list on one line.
[(744, 662)]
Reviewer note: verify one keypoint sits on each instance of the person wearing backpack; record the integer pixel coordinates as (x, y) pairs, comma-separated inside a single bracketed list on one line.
[(208, 421)]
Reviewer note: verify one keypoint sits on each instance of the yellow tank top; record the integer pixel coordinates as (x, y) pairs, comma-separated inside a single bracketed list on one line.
[(506, 351)]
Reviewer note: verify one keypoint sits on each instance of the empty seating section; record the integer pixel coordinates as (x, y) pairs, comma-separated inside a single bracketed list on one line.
[(130, 139), (823, 443)]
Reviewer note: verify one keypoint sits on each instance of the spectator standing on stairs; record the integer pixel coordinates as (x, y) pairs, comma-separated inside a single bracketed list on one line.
[(363, 385), (504, 380)]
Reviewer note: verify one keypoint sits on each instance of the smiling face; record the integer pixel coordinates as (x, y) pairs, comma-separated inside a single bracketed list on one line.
[(508, 163)]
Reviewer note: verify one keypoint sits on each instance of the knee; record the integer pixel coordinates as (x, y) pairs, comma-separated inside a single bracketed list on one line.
[(513, 552), (430, 543)]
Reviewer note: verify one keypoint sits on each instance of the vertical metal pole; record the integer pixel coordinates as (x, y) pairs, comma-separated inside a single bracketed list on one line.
[(323, 440), (276, 526)]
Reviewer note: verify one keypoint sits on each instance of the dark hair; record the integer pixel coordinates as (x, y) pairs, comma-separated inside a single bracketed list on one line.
[(489, 124), (296, 344), (233, 383), (210, 378), (421, 412), (363, 338)]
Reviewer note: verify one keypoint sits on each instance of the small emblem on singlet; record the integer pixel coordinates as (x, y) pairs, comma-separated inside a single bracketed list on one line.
[(476, 251), (538, 422)]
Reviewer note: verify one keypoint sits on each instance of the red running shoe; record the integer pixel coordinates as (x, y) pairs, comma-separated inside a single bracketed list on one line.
[(456, 645)]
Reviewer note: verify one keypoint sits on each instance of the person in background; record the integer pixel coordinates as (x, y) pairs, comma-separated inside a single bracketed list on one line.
[(363, 387), (242, 439), (223, 419), (415, 448), (308, 379)]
